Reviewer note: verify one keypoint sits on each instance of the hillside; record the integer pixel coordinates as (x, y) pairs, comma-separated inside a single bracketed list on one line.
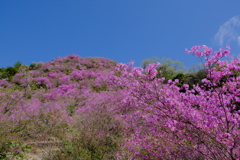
[(95, 108)]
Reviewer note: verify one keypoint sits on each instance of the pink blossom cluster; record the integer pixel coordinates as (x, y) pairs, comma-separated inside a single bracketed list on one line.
[(202, 123), (158, 121)]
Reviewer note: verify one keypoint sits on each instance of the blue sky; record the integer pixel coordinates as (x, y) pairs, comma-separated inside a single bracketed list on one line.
[(121, 30)]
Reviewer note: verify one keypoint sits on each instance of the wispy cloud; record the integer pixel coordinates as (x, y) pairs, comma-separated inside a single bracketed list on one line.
[(229, 32)]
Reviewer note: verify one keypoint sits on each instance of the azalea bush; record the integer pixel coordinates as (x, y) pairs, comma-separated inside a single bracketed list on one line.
[(101, 109), (201, 123)]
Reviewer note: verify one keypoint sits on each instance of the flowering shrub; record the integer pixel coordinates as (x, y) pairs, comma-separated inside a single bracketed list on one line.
[(202, 123), (102, 109)]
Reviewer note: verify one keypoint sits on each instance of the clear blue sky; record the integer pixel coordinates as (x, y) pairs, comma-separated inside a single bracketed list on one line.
[(121, 30)]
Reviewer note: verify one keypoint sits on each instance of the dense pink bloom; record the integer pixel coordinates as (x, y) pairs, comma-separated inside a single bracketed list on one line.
[(158, 120)]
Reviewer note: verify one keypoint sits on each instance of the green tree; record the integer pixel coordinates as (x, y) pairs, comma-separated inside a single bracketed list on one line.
[(170, 68), (8, 73), (33, 66), (18, 64), (148, 61), (196, 67)]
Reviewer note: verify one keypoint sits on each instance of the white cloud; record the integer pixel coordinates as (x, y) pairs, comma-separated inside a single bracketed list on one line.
[(229, 32), (238, 40)]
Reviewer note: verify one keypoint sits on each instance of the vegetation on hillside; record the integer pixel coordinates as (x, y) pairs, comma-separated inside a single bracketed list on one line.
[(95, 108)]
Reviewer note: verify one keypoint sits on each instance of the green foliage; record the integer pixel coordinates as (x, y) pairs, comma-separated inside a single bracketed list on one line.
[(2, 69), (196, 67), (194, 78), (35, 86), (98, 89), (33, 66), (8, 73), (146, 62), (95, 137), (170, 69), (67, 71), (18, 149), (71, 109), (18, 64), (118, 74), (78, 67), (180, 77), (11, 71)]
